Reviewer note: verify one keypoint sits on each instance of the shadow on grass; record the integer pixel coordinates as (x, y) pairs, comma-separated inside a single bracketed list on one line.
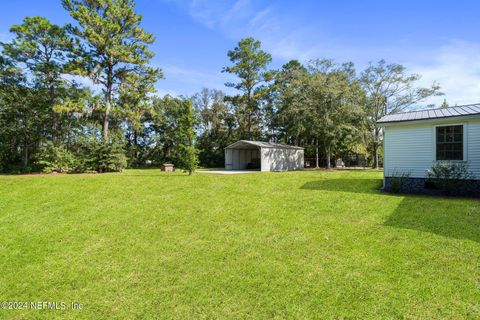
[(159, 175), (448, 217), (345, 185), (456, 218)]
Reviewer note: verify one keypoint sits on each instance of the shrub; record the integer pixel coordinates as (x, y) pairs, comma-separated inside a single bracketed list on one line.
[(109, 157), (87, 155), (103, 156), (449, 176), (398, 181), (188, 161), (57, 159)]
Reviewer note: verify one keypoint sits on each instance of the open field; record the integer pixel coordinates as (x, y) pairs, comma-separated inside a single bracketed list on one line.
[(312, 244)]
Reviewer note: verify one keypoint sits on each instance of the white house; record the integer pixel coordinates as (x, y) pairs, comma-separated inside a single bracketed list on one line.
[(263, 156), (414, 141)]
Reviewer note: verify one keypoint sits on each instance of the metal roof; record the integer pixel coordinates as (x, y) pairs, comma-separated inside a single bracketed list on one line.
[(457, 111), (261, 144)]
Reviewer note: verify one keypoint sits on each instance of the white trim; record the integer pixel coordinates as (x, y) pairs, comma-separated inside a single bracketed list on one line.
[(434, 143), (465, 142), (385, 164)]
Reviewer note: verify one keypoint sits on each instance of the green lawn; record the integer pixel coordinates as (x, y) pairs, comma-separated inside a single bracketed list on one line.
[(312, 244)]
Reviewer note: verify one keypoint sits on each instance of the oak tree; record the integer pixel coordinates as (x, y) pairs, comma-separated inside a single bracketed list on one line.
[(390, 89)]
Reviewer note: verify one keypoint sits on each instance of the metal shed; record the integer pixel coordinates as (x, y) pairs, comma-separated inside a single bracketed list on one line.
[(263, 156)]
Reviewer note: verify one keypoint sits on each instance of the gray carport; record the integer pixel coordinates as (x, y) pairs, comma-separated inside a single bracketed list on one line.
[(263, 156)]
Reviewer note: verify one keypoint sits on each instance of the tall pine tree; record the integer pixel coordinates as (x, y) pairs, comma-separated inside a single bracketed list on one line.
[(113, 46), (250, 65), (43, 48)]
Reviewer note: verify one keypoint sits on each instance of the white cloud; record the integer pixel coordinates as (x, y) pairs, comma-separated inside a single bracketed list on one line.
[(240, 10), (211, 79), (216, 13), (84, 81), (162, 93), (280, 34), (290, 47), (258, 20), (190, 80), (456, 67)]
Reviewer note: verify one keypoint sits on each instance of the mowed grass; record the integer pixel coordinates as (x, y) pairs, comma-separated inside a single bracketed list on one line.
[(311, 244)]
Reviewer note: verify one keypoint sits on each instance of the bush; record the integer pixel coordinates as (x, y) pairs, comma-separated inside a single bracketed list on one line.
[(87, 156), (100, 156), (109, 157), (449, 176), (398, 180), (58, 159), (188, 161)]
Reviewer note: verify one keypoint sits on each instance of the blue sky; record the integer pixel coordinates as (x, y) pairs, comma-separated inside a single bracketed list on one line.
[(437, 39)]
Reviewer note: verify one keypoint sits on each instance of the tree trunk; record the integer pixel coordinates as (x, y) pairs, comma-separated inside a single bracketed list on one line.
[(135, 143), (54, 128), (25, 151), (108, 103), (249, 112), (376, 145), (328, 154), (106, 116), (25, 143), (249, 126), (375, 156), (51, 90), (135, 137), (316, 155)]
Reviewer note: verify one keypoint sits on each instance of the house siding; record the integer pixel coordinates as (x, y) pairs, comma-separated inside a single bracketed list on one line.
[(410, 147)]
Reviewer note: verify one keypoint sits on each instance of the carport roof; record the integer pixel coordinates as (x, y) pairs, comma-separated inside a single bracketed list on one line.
[(242, 143)]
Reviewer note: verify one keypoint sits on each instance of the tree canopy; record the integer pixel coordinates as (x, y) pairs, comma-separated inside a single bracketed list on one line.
[(250, 66), (113, 48), (82, 97), (390, 89)]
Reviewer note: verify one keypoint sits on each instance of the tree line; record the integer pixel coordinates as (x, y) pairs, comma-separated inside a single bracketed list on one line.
[(324, 106), (81, 98)]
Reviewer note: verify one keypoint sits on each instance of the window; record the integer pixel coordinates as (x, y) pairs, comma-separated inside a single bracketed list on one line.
[(450, 143)]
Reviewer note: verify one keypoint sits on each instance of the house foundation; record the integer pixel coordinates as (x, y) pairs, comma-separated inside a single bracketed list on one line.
[(467, 188)]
